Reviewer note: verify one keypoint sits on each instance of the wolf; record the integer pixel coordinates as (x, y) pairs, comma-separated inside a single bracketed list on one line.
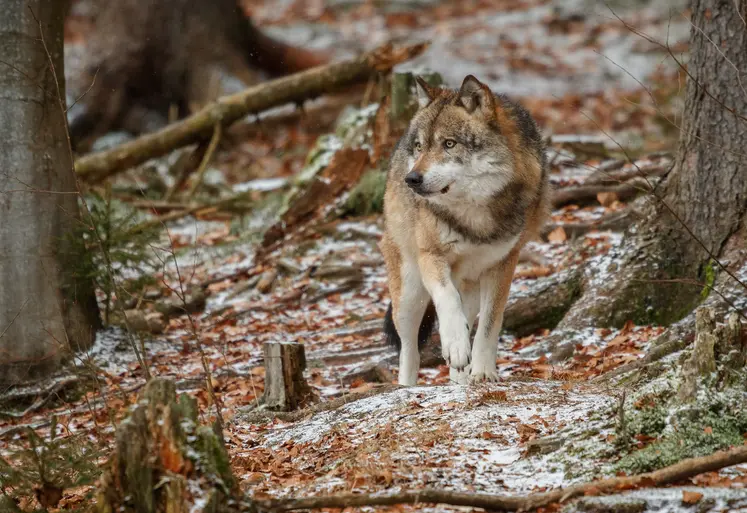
[(467, 187)]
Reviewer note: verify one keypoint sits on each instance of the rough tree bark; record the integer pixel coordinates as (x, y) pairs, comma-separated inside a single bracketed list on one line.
[(144, 56), (44, 310), (662, 270)]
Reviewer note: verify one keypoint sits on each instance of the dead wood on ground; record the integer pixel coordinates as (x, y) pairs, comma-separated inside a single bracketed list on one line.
[(681, 471), (290, 89)]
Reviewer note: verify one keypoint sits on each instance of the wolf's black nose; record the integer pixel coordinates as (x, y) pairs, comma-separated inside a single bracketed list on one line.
[(413, 179)]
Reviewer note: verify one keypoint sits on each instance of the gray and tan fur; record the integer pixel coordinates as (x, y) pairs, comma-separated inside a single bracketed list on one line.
[(466, 189)]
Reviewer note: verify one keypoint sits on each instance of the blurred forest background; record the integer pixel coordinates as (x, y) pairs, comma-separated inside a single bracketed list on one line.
[(192, 295)]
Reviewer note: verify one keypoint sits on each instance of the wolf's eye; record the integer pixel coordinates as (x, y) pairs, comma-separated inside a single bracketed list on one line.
[(449, 143), (418, 146)]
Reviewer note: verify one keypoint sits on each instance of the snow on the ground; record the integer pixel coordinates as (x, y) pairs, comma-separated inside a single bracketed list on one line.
[(452, 437)]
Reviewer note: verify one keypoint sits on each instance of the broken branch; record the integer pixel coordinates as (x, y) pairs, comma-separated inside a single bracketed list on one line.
[(214, 140), (194, 210), (290, 89)]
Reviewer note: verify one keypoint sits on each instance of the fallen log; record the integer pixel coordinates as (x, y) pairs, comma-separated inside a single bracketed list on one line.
[(586, 194), (678, 472), (290, 89), (617, 176), (550, 299), (615, 221), (194, 210)]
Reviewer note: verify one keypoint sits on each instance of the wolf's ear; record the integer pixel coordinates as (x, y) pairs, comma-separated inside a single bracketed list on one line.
[(426, 93), (477, 97)]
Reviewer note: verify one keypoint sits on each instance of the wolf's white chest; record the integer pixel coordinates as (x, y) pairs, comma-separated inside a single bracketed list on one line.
[(469, 260)]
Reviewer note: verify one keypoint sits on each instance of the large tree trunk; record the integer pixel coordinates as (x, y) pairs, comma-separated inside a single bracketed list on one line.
[(44, 311), (146, 56), (664, 269)]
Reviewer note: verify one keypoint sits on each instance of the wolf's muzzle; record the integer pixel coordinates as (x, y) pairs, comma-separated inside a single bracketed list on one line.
[(414, 179)]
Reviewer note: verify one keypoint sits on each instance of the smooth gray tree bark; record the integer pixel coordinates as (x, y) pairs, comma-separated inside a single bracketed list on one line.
[(44, 311)]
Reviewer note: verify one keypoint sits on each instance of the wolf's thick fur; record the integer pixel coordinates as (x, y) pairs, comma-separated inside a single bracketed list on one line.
[(466, 189)]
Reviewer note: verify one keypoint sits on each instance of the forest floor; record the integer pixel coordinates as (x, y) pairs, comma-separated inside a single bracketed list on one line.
[(553, 420)]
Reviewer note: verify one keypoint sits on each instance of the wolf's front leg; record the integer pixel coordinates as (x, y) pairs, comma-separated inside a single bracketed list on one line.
[(409, 302), (470, 292), (494, 287), (452, 323)]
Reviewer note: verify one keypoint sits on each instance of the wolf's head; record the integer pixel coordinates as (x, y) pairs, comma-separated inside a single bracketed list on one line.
[(456, 147)]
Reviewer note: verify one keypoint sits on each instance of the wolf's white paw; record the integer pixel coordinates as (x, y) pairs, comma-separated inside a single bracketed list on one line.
[(459, 377), (455, 346), (482, 373)]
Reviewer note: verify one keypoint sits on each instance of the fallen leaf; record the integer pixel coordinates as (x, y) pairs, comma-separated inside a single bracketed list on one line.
[(691, 497), (607, 198), (708, 430), (557, 235)]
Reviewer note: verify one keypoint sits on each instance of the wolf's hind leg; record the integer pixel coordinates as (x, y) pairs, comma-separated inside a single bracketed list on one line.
[(408, 307), (494, 287)]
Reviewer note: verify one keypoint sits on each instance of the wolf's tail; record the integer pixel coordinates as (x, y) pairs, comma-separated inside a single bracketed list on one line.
[(424, 332)]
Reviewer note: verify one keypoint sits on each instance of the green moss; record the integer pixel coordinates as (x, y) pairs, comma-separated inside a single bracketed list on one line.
[(367, 197), (651, 421), (696, 431), (213, 456), (709, 278)]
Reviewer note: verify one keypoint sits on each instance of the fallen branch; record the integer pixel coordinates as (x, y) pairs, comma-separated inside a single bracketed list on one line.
[(214, 140), (158, 204), (615, 221), (585, 194), (195, 210), (613, 177), (293, 88), (678, 472), (42, 396)]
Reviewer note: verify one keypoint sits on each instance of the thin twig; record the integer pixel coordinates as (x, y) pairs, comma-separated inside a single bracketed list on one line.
[(172, 216), (214, 140)]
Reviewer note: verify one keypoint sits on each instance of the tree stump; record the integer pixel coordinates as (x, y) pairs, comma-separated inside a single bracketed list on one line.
[(285, 387), (719, 353), (164, 460), (404, 100)]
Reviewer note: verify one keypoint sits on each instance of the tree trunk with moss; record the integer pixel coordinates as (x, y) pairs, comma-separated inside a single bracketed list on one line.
[(44, 311), (664, 267)]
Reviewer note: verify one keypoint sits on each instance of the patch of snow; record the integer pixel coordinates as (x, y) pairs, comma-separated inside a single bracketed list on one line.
[(262, 184)]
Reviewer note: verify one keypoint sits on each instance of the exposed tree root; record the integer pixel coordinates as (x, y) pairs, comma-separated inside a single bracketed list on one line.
[(681, 471)]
